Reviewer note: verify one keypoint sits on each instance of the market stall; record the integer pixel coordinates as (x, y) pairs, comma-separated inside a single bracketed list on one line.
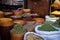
[(24, 24)]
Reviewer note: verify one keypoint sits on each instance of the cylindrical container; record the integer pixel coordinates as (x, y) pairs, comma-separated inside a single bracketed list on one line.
[(17, 36)]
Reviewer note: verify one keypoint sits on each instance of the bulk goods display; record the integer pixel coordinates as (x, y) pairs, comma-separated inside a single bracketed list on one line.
[(30, 23)]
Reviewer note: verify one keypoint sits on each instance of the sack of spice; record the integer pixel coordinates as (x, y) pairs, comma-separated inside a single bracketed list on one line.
[(48, 31)]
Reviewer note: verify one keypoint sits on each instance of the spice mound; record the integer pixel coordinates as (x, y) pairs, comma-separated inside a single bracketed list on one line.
[(47, 27), (57, 23), (33, 37)]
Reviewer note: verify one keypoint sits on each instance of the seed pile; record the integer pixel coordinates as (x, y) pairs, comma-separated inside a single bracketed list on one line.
[(33, 37)]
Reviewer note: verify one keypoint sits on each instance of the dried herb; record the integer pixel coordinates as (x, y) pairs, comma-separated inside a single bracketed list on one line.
[(47, 27), (18, 29), (52, 16), (57, 23)]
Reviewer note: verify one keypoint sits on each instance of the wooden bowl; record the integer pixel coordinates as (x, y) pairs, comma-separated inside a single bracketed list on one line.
[(16, 17), (18, 12), (8, 13), (39, 20), (19, 22), (6, 22)]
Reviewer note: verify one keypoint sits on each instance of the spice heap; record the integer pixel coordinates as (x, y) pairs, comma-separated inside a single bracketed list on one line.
[(47, 27), (57, 23), (18, 29)]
